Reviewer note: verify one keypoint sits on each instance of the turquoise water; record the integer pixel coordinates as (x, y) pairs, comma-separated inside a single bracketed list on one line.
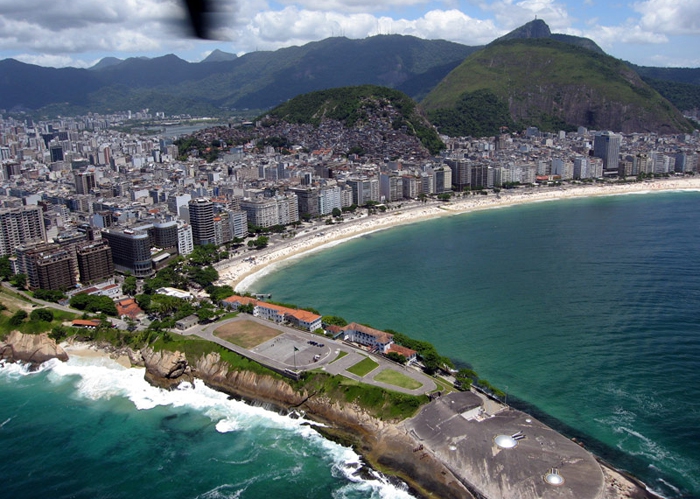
[(584, 311), (92, 429)]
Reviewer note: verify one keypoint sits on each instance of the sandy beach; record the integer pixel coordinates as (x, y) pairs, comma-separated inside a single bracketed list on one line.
[(243, 270)]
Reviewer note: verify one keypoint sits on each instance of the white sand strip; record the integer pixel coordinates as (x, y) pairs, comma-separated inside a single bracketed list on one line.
[(242, 271)]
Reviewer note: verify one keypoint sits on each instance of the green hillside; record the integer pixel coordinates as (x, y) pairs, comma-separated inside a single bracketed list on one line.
[(549, 84), (359, 106)]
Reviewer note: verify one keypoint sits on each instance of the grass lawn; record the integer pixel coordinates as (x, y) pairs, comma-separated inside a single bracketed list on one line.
[(396, 378), (246, 334), (340, 356), (364, 367), (443, 385)]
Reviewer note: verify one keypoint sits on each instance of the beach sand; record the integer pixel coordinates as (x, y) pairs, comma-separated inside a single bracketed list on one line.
[(242, 271), (91, 351)]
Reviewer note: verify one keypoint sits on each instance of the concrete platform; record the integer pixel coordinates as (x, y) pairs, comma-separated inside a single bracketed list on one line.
[(470, 451)]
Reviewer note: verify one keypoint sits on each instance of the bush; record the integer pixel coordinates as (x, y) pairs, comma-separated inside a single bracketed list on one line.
[(18, 318), (49, 295), (42, 314)]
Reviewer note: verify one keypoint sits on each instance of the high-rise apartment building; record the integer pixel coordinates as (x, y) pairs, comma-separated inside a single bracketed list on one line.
[(185, 244), (131, 251), (202, 221), (24, 225), (606, 146), (47, 266), (94, 261), (364, 190), (84, 182)]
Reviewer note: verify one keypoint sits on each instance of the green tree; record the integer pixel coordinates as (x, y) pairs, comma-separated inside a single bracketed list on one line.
[(336, 213), (18, 318), (396, 357), (259, 243), (41, 314), (218, 293), (51, 295), (58, 333), (5, 268), (129, 286), (144, 302), (334, 320), (205, 314), (19, 281), (432, 361), (204, 276), (94, 304)]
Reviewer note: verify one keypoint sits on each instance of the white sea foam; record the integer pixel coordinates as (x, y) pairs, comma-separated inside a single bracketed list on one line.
[(5, 422), (101, 378), (223, 492), (14, 370)]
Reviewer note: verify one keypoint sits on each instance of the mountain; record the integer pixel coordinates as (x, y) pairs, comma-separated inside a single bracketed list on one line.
[(553, 85), (27, 87), (539, 29), (261, 80), (258, 80), (579, 85), (681, 86), (367, 106), (219, 56), (106, 62)]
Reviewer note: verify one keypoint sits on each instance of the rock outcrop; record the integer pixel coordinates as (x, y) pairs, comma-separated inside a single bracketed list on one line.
[(166, 369), (31, 348), (384, 445)]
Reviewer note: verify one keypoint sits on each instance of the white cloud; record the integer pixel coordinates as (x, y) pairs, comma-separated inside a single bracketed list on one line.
[(672, 17), (55, 61), (290, 26), (607, 36), (510, 14), (352, 6)]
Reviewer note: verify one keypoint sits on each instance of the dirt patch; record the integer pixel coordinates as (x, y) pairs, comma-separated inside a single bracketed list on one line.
[(246, 334)]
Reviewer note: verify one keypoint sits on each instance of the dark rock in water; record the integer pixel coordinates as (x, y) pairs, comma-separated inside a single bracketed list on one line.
[(365, 473)]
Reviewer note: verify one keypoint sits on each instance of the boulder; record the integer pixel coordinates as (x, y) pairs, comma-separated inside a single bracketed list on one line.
[(166, 369), (31, 348)]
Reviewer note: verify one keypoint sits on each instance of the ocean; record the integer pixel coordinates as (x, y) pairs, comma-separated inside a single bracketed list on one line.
[(93, 429), (586, 312)]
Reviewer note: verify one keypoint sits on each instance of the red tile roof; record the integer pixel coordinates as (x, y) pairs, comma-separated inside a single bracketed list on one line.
[(86, 322), (401, 350), (128, 307), (381, 336)]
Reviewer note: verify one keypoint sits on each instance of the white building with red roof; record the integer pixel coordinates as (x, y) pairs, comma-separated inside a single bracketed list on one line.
[(364, 335)]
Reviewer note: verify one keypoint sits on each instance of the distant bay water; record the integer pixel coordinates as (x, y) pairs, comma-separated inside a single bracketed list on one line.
[(587, 312)]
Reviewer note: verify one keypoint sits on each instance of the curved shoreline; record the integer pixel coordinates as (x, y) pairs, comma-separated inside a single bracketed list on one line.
[(241, 272)]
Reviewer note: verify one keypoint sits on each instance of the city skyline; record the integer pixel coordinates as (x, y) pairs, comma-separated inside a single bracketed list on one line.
[(79, 34)]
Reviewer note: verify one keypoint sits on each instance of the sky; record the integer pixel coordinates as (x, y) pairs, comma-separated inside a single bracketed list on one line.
[(79, 33)]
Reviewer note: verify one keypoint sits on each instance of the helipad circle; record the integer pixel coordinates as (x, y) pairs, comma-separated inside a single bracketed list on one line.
[(505, 441), (554, 479)]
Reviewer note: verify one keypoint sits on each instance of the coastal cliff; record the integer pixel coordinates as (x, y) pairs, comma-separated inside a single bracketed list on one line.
[(33, 349), (385, 446)]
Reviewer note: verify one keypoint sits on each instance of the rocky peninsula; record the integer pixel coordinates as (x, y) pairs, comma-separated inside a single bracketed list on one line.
[(387, 446)]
